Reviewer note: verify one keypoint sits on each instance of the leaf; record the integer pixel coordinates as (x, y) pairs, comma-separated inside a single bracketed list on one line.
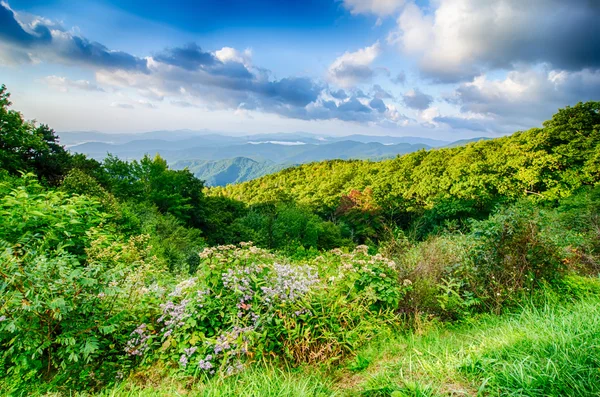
[(166, 344)]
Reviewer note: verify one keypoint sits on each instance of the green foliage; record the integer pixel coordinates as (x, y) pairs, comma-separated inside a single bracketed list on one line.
[(511, 254), (69, 288), (244, 305), (48, 221), (110, 274), (447, 184), (27, 147), (287, 227), (150, 180)]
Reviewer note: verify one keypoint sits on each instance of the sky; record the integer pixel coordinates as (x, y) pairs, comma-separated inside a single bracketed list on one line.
[(445, 69)]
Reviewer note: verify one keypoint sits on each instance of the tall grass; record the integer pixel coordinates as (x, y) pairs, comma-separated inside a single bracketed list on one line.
[(547, 349), (257, 381)]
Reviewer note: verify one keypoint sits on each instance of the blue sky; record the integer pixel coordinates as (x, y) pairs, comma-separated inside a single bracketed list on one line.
[(446, 69)]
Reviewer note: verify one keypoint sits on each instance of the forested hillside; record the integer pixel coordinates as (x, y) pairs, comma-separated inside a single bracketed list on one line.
[(230, 171), (549, 163), (467, 270)]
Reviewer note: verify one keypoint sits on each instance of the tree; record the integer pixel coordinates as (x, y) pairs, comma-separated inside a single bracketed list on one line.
[(25, 146), (150, 180)]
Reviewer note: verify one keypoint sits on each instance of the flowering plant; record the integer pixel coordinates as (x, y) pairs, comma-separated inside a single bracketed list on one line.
[(245, 302)]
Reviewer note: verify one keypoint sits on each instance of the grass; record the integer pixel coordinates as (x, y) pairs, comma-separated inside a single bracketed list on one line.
[(259, 381), (550, 348)]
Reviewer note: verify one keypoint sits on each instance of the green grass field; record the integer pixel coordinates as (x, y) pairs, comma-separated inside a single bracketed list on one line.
[(547, 348)]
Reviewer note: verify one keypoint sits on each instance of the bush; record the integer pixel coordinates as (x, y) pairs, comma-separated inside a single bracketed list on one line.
[(430, 266), (245, 304), (70, 289), (511, 254), (48, 221)]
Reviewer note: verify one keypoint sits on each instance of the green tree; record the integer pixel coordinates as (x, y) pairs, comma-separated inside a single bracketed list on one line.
[(25, 146)]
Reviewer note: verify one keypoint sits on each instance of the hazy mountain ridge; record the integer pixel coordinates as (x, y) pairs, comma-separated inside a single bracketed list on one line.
[(208, 138), (224, 172), (224, 159)]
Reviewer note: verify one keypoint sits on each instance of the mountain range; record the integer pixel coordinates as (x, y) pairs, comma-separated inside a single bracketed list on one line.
[(221, 159)]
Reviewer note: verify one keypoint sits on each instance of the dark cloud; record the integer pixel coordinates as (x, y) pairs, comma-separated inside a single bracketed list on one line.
[(526, 97), (378, 104), (190, 57), (380, 93), (415, 99), (293, 91), (12, 31), (225, 79), (81, 50), (353, 105), (58, 45), (458, 40), (351, 110), (339, 94)]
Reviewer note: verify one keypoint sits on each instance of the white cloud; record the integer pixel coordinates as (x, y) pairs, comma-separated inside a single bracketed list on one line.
[(415, 99), (463, 38), (525, 97), (146, 104), (121, 105), (64, 84), (183, 104), (353, 68), (229, 54), (380, 8)]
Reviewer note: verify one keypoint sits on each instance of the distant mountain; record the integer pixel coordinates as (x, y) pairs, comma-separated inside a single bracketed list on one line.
[(463, 142), (222, 159), (192, 149), (73, 138), (212, 138), (390, 140), (224, 172), (347, 150)]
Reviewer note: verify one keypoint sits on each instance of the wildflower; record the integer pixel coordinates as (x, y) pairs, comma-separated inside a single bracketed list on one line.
[(138, 344), (205, 365), (189, 351), (182, 286), (290, 282), (183, 360), (173, 315), (361, 249), (2, 318)]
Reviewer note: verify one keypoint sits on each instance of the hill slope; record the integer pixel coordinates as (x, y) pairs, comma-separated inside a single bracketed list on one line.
[(547, 163), (224, 172)]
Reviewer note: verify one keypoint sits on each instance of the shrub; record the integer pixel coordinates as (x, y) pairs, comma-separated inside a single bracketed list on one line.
[(69, 288), (511, 254), (429, 266), (47, 221), (245, 304)]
